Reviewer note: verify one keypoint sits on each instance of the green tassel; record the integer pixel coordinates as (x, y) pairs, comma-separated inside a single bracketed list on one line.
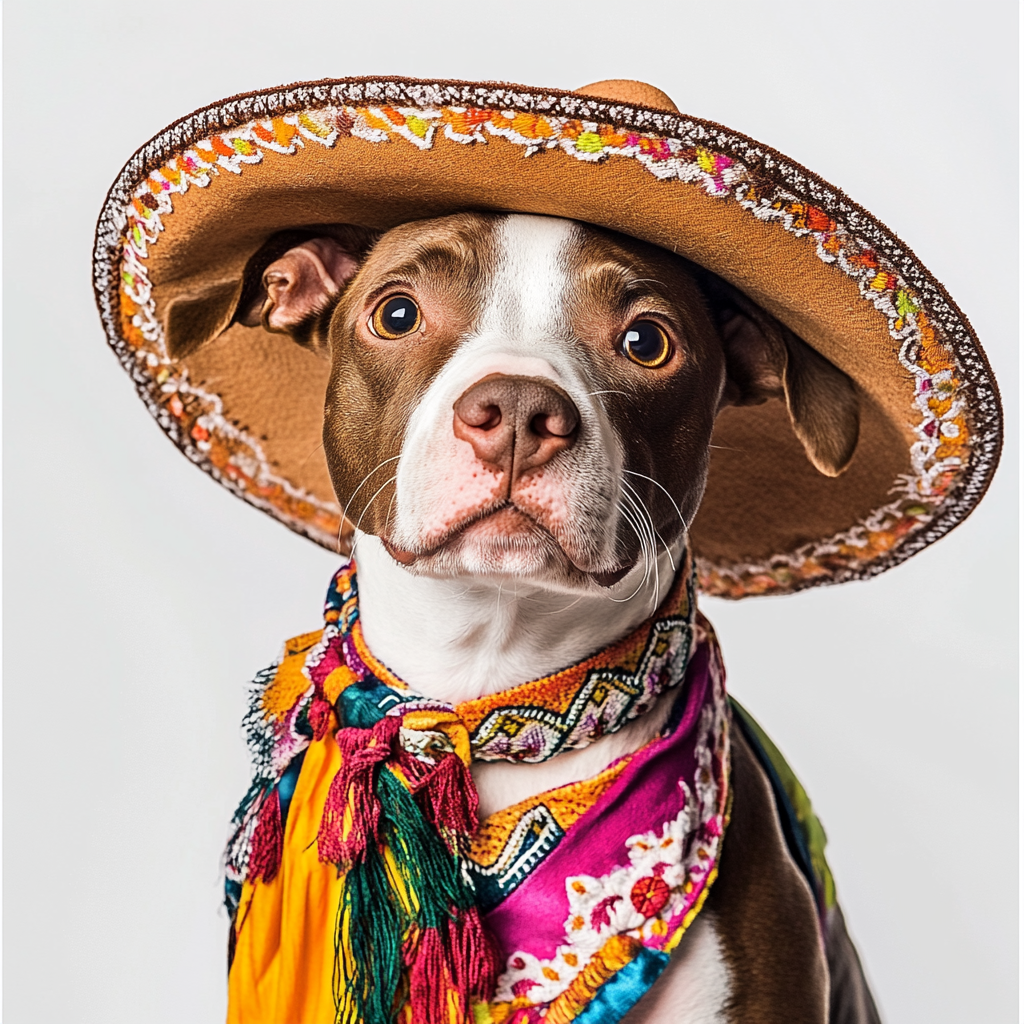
[(368, 968), (378, 922)]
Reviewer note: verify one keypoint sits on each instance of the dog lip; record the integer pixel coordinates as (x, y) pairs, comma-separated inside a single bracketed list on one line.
[(610, 577), (408, 556)]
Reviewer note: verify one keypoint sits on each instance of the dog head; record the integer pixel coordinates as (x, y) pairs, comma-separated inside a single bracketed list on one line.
[(526, 396)]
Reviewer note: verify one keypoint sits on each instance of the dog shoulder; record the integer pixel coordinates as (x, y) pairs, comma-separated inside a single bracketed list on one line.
[(754, 954)]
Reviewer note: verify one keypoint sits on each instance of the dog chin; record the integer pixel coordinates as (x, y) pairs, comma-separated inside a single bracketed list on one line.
[(504, 544)]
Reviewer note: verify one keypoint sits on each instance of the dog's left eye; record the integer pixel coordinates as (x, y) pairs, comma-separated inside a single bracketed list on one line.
[(646, 344), (395, 317)]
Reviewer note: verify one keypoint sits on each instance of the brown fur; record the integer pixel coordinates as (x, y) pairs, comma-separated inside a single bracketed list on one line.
[(724, 346), (444, 265), (724, 351), (764, 911)]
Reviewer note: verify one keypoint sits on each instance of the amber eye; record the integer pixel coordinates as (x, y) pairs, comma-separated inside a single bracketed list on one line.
[(646, 344), (395, 317)]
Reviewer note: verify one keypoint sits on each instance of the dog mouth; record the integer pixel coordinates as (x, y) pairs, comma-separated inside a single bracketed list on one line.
[(504, 524), (503, 531)]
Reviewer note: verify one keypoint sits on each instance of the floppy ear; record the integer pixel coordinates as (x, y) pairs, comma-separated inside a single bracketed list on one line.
[(764, 359), (289, 286)]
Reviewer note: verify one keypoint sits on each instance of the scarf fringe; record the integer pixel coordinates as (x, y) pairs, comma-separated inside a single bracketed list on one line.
[(352, 812), (267, 840), (449, 800), (397, 826)]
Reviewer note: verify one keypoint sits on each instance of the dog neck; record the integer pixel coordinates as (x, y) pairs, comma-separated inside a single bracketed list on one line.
[(456, 639)]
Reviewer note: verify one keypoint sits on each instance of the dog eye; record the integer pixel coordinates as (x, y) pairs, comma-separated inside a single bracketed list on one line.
[(395, 317), (646, 344)]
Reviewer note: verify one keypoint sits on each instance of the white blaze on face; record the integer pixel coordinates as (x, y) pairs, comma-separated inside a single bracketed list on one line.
[(524, 329), (526, 300)]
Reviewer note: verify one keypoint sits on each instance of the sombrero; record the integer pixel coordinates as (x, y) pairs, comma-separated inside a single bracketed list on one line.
[(195, 202)]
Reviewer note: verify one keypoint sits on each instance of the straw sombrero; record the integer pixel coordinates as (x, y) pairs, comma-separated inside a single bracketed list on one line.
[(194, 203)]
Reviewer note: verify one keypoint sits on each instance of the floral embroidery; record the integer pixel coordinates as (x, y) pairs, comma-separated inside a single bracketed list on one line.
[(600, 898), (655, 895)]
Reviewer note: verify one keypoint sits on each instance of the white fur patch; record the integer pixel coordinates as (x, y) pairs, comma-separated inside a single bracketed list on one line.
[(523, 331), (467, 632), (460, 638), (695, 987)]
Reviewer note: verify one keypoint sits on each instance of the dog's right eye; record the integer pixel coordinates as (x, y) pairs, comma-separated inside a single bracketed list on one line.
[(395, 317), (646, 344)]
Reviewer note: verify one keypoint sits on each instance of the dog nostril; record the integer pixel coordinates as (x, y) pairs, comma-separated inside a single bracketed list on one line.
[(546, 424), (560, 423), (480, 415)]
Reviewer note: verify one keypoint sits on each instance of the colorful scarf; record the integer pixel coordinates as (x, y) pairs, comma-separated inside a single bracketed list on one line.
[(363, 888)]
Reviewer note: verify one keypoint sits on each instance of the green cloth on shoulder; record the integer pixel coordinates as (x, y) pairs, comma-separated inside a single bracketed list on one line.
[(800, 825)]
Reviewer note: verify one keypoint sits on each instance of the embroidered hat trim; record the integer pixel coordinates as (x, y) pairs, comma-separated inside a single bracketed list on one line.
[(957, 431)]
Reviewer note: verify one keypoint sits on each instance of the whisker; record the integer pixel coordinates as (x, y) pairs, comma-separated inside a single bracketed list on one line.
[(650, 518), (374, 498), (572, 604), (644, 476), (391, 508), (625, 600), (635, 517), (310, 455), (363, 481), (638, 503), (642, 512), (646, 538)]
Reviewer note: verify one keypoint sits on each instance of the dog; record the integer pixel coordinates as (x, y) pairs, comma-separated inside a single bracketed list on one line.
[(517, 423)]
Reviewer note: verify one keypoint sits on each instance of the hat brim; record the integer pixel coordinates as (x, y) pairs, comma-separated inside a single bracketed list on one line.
[(195, 202)]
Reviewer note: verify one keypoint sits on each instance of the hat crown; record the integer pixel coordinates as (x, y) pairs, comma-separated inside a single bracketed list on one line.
[(627, 90)]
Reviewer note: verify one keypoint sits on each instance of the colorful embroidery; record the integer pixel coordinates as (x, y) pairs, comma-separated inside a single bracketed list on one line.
[(509, 844), (925, 503), (575, 886)]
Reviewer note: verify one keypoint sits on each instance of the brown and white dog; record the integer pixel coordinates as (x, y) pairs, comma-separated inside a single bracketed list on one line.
[(518, 422)]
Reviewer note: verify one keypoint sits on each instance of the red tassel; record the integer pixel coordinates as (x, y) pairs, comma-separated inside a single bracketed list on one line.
[(320, 716), (267, 840), (474, 954), (430, 980), (459, 960), (449, 799), (362, 750)]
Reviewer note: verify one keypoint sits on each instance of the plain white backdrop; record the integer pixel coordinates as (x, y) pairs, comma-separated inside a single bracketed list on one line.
[(140, 597)]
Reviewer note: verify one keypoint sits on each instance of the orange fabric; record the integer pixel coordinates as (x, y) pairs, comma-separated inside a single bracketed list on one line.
[(284, 954), (286, 927)]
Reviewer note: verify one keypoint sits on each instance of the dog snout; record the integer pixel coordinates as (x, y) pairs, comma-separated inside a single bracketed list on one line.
[(514, 423)]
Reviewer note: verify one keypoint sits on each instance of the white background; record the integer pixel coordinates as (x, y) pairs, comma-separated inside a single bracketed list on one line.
[(141, 597)]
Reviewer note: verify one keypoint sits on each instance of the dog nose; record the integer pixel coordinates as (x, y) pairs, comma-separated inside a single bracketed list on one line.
[(516, 423)]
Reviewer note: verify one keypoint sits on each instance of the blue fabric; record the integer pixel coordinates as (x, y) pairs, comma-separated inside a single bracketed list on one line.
[(619, 994), (364, 704), (286, 784)]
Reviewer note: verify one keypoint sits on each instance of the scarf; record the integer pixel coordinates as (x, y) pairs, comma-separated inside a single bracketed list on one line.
[(363, 888)]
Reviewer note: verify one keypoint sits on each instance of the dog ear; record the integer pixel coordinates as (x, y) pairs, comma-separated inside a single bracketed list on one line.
[(289, 286), (764, 359)]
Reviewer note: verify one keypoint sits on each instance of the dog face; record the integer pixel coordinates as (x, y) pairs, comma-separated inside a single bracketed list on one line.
[(519, 396)]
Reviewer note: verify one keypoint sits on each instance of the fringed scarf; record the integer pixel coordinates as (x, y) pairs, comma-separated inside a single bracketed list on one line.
[(363, 888)]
